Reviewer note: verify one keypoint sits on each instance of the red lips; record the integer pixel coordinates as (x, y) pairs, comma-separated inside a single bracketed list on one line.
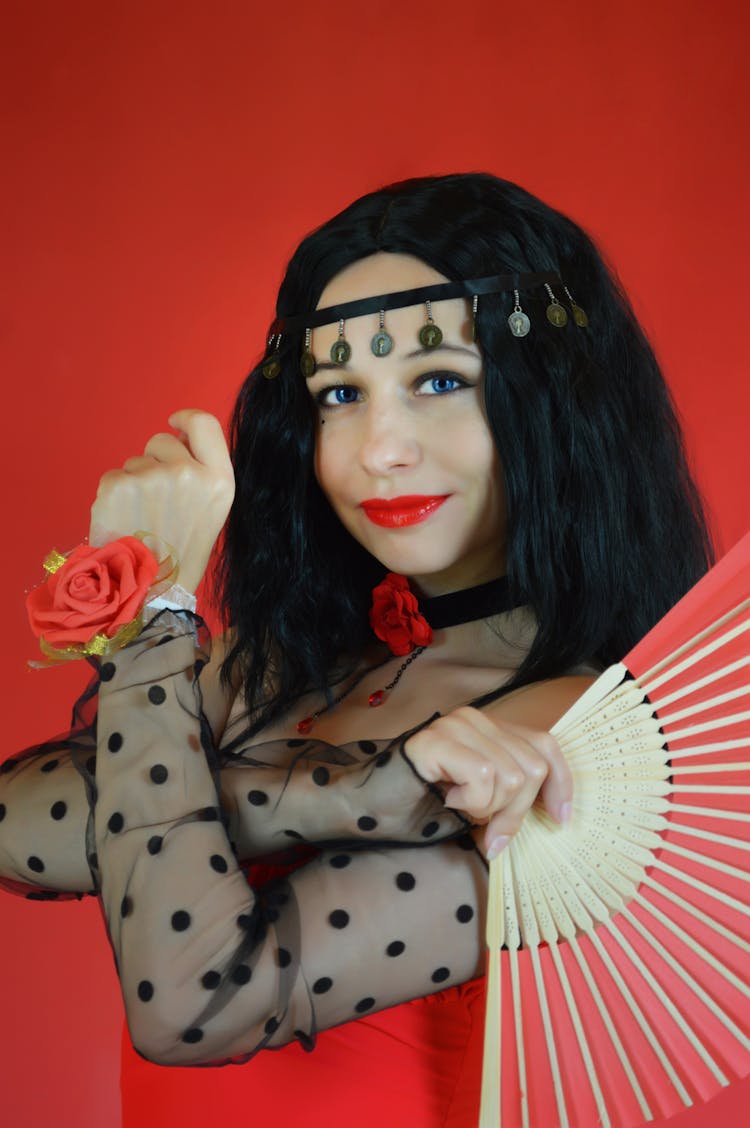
[(396, 512)]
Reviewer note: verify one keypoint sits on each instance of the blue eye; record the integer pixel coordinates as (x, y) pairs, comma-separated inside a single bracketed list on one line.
[(340, 393), (439, 383)]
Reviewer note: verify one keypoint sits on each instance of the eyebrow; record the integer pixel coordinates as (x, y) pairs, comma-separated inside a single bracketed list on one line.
[(328, 366)]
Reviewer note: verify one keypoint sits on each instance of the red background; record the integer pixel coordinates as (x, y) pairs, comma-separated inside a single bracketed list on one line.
[(162, 160)]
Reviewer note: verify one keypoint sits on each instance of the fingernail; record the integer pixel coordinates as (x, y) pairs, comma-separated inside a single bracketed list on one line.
[(496, 846), (566, 813)]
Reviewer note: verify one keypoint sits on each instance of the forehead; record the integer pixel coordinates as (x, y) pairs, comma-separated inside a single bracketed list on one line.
[(384, 273)]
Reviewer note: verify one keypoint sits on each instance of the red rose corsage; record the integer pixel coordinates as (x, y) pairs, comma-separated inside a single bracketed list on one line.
[(395, 616), (92, 601)]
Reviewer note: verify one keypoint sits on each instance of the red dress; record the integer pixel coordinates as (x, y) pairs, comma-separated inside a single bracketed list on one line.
[(417, 1065)]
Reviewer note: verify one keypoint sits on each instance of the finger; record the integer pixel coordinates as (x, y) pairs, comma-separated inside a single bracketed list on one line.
[(557, 789), (204, 436), (167, 448), (138, 463)]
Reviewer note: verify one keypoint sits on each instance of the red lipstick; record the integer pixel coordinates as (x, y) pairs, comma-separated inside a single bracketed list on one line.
[(396, 512)]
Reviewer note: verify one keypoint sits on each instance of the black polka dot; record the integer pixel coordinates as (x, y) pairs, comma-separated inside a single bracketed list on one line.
[(7, 766), (91, 765), (218, 863), (180, 920), (211, 980), (157, 695), (465, 842), (194, 1034), (107, 671), (294, 834), (321, 776), (340, 861), (35, 864), (365, 1005), (320, 986), (395, 948), (159, 773), (208, 814), (405, 881), (272, 915), (383, 759), (339, 918), (305, 1041), (58, 810), (115, 742), (154, 844), (257, 798), (49, 765), (283, 957), (464, 913), (367, 822), (126, 907), (116, 822), (271, 1026), (440, 974), (245, 921), (368, 746), (241, 975), (145, 990), (2, 811), (430, 829), (295, 742)]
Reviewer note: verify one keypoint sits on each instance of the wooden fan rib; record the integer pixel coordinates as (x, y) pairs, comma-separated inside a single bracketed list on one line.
[(679, 1020), (701, 706), (611, 1029), (670, 666), (712, 768), (709, 836), (665, 700), (708, 726), (639, 1016), (549, 1038), (703, 860), (583, 1045), (694, 945), (709, 812), (515, 984), (702, 887), (692, 984), (705, 749), (698, 914)]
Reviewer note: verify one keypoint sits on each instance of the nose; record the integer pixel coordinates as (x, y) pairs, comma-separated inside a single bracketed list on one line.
[(389, 442)]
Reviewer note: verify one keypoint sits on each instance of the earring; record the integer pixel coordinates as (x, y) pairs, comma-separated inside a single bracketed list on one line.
[(341, 350), (272, 366), (307, 360), (555, 312), (430, 335), (518, 321), (474, 309), (579, 315), (382, 343)]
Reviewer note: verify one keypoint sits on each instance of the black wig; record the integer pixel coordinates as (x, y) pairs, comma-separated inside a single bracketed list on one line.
[(605, 526)]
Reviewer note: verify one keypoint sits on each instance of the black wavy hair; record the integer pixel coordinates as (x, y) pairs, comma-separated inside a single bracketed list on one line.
[(606, 529)]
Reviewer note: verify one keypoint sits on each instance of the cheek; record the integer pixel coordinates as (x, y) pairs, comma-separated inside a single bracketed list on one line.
[(327, 465)]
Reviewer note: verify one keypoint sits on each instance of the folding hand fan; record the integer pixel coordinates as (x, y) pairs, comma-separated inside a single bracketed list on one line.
[(618, 945)]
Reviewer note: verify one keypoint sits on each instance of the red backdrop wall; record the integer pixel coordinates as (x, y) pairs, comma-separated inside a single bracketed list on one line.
[(161, 161)]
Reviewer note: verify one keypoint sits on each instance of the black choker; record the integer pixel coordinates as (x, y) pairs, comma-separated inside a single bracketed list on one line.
[(469, 604)]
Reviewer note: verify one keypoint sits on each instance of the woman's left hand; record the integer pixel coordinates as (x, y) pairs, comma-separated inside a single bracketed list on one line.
[(492, 771)]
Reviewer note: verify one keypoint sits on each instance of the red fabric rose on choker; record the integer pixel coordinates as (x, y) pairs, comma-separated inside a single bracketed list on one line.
[(395, 616), (91, 595)]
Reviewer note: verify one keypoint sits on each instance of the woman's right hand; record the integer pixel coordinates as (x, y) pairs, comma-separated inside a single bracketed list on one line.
[(179, 490), (492, 770)]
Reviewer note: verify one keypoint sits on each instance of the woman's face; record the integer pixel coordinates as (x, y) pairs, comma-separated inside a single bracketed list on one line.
[(403, 451)]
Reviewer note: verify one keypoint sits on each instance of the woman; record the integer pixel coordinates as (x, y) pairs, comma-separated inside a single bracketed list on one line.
[(434, 404)]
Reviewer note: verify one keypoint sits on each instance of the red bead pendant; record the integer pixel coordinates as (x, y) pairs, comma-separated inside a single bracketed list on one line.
[(376, 698), (305, 725)]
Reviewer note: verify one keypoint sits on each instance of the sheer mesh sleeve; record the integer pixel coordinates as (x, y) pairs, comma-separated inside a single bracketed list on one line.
[(213, 970)]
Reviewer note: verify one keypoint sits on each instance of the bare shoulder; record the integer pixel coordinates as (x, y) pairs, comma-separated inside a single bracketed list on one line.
[(218, 697), (541, 704)]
